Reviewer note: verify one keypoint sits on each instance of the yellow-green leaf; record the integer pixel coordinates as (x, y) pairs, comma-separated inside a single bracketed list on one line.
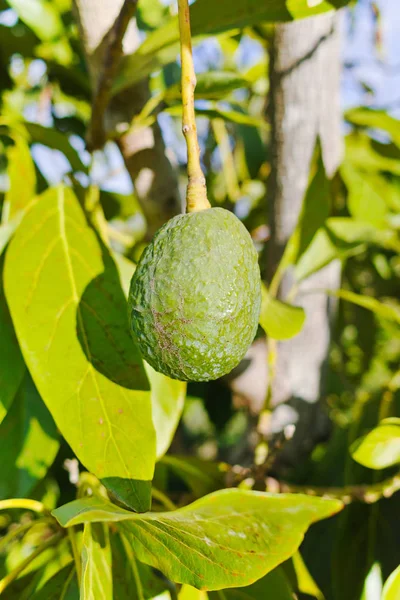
[(279, 320), (96, 581), (391, 589), (380, 448), (228, 539), (22, 179), (69, 312)]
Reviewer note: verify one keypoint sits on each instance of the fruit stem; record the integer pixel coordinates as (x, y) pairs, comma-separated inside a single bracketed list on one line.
[(196, 193)]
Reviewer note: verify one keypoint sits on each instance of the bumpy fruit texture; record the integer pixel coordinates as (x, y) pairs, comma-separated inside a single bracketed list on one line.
[(195, 296)]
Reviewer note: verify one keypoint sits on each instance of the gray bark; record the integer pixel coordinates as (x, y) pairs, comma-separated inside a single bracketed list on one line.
[(304, 106), (153, 176)]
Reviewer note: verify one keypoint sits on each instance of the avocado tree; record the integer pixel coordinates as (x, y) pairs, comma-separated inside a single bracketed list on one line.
[(126, 314)]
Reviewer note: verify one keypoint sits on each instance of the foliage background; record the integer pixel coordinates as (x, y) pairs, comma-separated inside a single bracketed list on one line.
[(45, 103)]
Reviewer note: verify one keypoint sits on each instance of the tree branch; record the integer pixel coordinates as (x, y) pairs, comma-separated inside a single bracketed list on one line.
[(368, 494), (113, 53)]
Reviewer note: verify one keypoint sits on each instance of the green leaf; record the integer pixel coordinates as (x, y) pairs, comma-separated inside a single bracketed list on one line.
[(62, 586), (375, 119), (200, 476), (69, 313), (22, 179), (211, 18), (274, 585), (385, 311), (12, 367), (57, 141), (307, 233), (380, 448), (233, 116), (227, 539), (167, 395), (29, 443), (96, 581), (212, 85), (132, 580), (40, 15), (368, 155), (391, 589), (365, 201), (279, 320)]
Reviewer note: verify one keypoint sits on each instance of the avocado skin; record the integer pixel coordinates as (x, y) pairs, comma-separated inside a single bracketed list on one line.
[(195, 297)]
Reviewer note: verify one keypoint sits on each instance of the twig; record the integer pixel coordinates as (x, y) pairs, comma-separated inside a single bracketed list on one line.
[(196, 194), (368, 494), (23, 503), (113, 53)]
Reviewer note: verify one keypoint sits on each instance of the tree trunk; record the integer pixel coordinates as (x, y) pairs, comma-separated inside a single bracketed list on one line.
[(304, 106), (143, 150)]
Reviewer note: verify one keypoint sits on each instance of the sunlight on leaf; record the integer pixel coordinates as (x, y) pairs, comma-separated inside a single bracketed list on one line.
[(69, 312), (227, 539), (380, 448)]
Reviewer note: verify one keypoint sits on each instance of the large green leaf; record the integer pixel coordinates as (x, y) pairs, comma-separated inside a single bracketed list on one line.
[(167, 395), (365, 201), (391, 589), (227, 539), (40, 15), (368, 155), (210, 18), (96, 581), (69, 313), (380, 448), (28, 441), (280, 320), (12, 367), (22, 179), (62, 586)]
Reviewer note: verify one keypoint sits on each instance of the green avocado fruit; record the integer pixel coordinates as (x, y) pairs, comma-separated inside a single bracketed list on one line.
[(195, 297)]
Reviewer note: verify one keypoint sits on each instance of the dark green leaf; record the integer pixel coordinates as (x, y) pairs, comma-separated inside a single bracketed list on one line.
[(29, 443), (69, 312), (167, 395), (62, 586), (275, 585), (227, 539), (380, 448), (12, 367), (96, 581), (132, 580), (279, 320), (200, 476)]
